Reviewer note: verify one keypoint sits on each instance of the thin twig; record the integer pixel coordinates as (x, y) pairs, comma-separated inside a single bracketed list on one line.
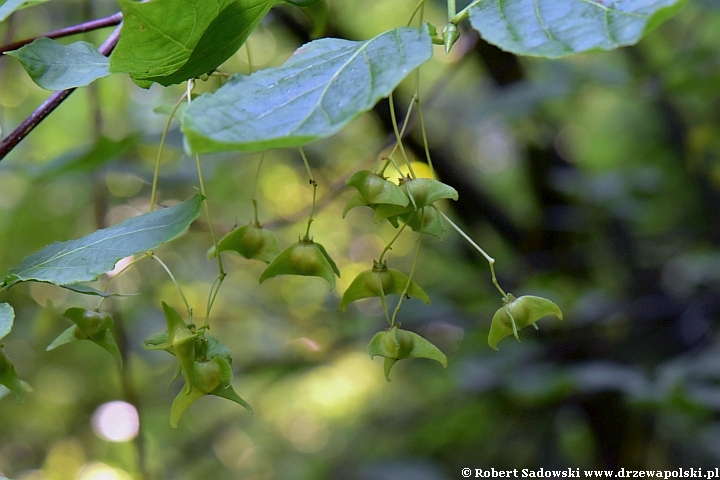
[(49, 105), (67, 31)]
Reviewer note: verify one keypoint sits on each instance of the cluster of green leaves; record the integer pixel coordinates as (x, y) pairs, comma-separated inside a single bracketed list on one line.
[(320, 89)]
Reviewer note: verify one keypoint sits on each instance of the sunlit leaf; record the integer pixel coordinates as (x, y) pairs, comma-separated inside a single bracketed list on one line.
[(222, 38), (556, 28), (324, 85), (168, 42), (54, 66), (84, 259)]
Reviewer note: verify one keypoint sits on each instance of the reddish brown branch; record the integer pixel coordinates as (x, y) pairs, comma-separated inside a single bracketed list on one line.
[(67, 31)]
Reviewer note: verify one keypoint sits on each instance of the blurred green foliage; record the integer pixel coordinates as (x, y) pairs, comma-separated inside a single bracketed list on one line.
[(594, 181)]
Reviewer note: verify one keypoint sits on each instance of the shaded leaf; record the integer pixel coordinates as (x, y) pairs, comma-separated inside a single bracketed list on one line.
[(84, 259), (556, 28), (54, 66), (9, 377), (323, 86), (86, 160), (87, 290)]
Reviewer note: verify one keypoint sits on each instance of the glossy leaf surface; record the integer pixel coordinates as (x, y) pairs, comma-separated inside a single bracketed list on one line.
[(84, 259), (54, 66), (322, 87), (556, 28)]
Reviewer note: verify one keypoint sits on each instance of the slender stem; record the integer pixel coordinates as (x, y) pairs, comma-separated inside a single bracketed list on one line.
[(490, 260), (383, 300), (398, 136), (451, 8), (114, 277), (389, 245), (47, 107), (211, 298), (314, 195), (418, 7), (422, 124), (254, 190), (412, 270), (190, 86), (67, 31), (249, 57), (462, 14), (172, 277), (153, 195)]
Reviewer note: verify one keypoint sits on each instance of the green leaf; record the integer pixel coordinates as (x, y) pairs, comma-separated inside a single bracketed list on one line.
[(322, 87), (84, 160), (556, 28), (168, 42), (518, 313), (222, 38), (84, 259), (87, 290), (7, 315), (54, 66), (7, 7), (9, 377)]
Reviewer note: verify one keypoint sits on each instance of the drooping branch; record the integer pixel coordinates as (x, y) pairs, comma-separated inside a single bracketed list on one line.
[(67, 31), (49, 105)]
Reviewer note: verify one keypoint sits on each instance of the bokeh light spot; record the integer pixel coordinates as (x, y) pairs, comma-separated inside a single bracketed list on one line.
[(116, 421), (100, 471)]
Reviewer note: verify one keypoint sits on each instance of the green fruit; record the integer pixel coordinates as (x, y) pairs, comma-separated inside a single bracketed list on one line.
[(518, 313), (89, 325), (375, 189), (396, 344), (251, 241), (305, 258), (380, 282)]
